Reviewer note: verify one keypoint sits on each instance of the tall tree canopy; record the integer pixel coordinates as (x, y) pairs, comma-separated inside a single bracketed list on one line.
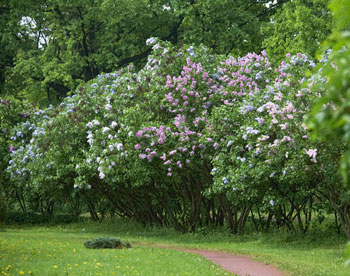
[(51, 46), (299, 26)]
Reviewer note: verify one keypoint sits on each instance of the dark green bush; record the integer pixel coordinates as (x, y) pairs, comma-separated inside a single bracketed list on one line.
[(106, 242), (2, 208), (33, 218)]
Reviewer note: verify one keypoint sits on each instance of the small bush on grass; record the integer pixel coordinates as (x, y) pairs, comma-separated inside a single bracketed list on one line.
[(106, 243)]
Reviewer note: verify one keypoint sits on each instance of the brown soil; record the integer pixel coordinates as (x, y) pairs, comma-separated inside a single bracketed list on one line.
[(235, 264)]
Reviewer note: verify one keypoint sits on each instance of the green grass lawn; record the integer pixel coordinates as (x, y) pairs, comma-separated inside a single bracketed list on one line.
[(54, 251), (59, 250)]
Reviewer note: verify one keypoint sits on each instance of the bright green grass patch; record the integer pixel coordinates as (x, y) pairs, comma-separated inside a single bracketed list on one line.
[(52, 251)]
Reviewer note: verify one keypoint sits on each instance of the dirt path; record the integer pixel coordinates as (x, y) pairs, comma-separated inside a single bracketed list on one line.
[(235, 264)]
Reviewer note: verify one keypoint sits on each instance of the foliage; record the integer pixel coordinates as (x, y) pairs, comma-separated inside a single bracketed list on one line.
[(106, 242), (299, 26), (332, 120), (12, 112), (35, 219), (52, 46), (2, 208), (192, 138)]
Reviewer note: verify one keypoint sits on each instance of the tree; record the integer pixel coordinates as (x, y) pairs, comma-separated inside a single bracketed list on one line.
[(299, 27), (71, 42)]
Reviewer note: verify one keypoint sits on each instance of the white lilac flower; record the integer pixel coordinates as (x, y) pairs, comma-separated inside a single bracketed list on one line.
[(272, 202), (101, 175), (312, 154), (108, 106), (119, 147), (151, 41), (113, 124), (95, 122), (90, 142), (258, 75), (105, 129), (229, 143), (224, 179), (250, 130)]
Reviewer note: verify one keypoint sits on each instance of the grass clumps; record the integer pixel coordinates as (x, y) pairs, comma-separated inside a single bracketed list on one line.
[(106, 242)]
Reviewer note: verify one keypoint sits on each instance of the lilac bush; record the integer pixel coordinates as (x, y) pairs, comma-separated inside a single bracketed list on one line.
[(191, 138)]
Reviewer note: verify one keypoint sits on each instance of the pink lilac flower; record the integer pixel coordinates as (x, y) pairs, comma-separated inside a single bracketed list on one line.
[(287, 138), (284, 126), (139, 133), (163, 157), (142, 156), (137, 146)]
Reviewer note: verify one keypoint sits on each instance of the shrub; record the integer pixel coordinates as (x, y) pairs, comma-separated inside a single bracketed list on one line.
[(33, 218), (105, 242)]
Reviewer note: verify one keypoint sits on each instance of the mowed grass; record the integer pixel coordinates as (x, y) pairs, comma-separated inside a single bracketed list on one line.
[(53, 251), (318, 253)]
